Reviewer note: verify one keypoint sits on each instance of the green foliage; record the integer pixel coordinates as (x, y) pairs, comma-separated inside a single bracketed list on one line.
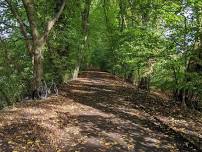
[(143, 38), (15, 72)]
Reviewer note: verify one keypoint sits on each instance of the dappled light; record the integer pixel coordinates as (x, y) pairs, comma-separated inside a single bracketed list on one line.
[(90, 116), (100, 75)]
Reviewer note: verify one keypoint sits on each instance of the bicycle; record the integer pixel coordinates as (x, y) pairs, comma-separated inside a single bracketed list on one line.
[(41, 92), (53, 88)]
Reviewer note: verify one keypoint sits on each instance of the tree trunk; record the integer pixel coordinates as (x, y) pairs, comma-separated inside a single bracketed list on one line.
[(76, 72), (122, 12), (37, 67), (144, 83), (84, 25)]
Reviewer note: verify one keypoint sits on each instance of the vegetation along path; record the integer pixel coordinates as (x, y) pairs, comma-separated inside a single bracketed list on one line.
[(96, 112)]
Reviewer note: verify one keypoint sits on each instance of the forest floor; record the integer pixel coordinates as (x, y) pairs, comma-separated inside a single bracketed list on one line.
[(100, 113)]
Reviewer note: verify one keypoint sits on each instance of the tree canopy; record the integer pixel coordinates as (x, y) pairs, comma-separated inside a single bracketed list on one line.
[(152, 44)]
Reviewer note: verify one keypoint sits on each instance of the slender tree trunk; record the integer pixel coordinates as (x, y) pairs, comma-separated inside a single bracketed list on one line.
[(84, 24), (122, 12), (76, 72)]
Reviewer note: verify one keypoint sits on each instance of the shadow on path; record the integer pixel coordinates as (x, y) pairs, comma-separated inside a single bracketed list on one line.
[(96, 113), (110, 96)]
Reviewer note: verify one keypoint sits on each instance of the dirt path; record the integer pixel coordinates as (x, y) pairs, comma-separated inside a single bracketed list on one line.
[(96, 113)]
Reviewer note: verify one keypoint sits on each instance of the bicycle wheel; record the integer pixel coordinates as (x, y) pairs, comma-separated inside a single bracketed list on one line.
[(42, 92), (35, 95), (55, 90)]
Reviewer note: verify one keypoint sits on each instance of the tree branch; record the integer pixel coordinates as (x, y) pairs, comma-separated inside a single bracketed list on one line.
[(22, 25), (52, 22), (30, 11)]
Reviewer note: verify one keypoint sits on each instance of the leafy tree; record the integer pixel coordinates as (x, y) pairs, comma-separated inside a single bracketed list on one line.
[(152, 44)]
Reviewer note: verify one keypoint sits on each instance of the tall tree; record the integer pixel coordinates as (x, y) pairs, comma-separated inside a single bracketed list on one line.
[(34, 39), (84, 35)]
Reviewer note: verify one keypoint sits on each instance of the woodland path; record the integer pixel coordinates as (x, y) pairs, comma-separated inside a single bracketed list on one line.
[(95, 113)]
